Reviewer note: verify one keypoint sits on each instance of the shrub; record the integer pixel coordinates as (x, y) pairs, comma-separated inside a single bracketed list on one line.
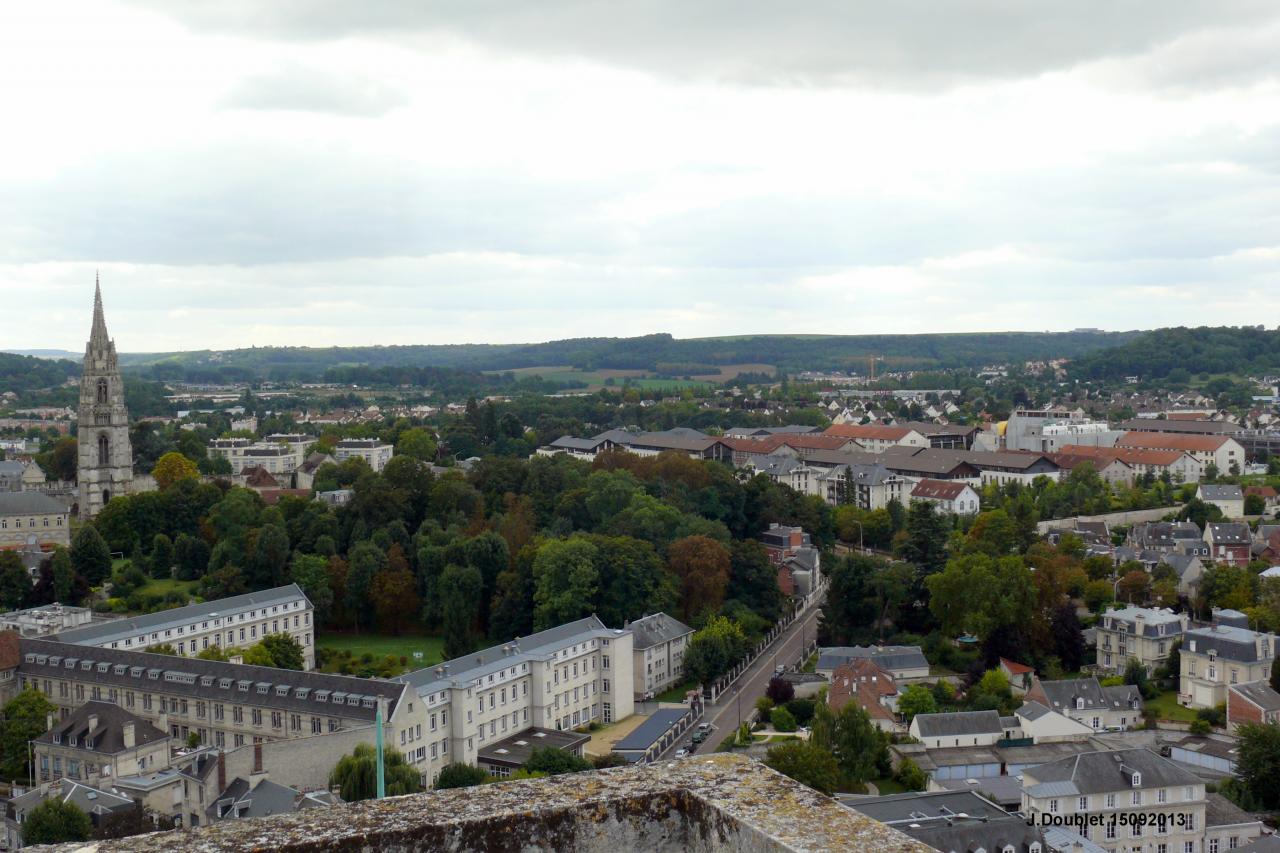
[(1200, 727), (782, 720), (802, 710)]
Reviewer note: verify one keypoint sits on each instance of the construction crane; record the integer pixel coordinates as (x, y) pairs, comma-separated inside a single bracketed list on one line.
[(871, 366)]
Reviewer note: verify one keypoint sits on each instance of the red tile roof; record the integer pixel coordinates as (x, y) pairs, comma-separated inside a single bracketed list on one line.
[(1173, 441), (872, 431), (1015, 667), (943, 490)]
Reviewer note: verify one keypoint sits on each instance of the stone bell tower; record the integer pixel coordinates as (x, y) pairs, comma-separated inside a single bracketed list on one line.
[(105, 462)]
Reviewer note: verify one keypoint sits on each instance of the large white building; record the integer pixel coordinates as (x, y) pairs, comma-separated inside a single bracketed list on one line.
[(1145, 634), (658, 649), (371, 450), (1133, 800), (560, 678), (235, 622)]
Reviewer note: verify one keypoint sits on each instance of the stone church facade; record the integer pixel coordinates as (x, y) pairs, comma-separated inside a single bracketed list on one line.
[(105, 462)]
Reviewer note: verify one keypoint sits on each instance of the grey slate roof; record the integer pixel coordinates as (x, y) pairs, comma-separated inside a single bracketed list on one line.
[(120, 629), (1105, 772), (1155, 622), (650, 731), (1221, 493), (1228, 533), (1219, 811), (108, 736), (1260, 694), (1228, 641), (265, 798), (1063, 695), (959, 723), (29, 503), (1032, 710), (656, 628), (132, 670), (1261, 844), (496, 658), (950, 820), (885, 657)]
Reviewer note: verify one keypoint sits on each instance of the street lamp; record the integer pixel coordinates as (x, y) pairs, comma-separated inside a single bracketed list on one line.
[(860, 548)]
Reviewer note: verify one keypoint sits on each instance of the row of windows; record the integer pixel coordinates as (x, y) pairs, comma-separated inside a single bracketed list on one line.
[(31, 522), (1135, 798)]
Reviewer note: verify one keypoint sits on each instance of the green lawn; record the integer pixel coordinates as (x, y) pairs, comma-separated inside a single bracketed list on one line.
[(1166, 707), (381, 645), (677, 693), (164, 586), (888, 785)]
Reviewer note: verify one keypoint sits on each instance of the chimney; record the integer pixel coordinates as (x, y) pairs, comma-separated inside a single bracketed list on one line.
[(163, 723), (127, 732), (257, 757), (93, 724), (48, 722), (222, 772)]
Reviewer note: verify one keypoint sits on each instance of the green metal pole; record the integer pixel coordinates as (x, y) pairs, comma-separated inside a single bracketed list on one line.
[(382, 779)]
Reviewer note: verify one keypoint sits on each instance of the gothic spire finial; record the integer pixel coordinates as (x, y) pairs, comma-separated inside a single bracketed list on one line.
[(99, 332)]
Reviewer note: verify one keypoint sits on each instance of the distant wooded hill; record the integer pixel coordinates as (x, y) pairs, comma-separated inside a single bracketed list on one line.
[(1184, 352), (650, 352)]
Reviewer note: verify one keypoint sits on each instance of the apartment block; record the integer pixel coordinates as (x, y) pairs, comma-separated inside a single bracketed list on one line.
[(238, 621)]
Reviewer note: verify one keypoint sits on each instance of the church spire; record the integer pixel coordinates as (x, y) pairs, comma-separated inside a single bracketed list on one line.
[(98, 335)]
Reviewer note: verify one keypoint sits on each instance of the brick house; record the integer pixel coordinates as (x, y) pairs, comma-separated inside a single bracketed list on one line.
[(1254, 702), (1229, 542)]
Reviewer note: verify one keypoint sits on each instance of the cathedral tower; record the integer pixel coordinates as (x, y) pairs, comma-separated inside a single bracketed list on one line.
[(105, 465)]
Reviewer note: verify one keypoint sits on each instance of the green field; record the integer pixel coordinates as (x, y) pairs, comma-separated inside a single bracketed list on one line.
[(164, 586), (381, 645)]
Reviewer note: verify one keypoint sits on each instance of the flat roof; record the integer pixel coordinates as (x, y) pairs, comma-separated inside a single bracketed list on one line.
[(514, 751), (651, 730)]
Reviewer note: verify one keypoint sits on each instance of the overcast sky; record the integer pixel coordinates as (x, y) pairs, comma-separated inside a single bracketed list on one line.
[(332, 172)]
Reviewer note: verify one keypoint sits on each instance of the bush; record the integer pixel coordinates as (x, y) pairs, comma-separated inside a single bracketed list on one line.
[(1200, 727), (910, 776), (782, 720), (802, 710), (764, 705), (460, 776)]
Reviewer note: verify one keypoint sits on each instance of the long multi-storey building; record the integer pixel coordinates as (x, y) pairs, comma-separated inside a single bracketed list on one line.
[(560, 678), (226, 705), (235, 622)]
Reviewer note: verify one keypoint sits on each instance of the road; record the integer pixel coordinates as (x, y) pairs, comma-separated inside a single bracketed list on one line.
[(736, 703)]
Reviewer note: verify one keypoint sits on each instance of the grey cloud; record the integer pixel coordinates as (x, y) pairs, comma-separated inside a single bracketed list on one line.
[(910, 43), (298, 88)]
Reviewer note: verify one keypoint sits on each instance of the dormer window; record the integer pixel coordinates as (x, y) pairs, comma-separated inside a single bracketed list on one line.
[(1079, 703), (1137, 779)]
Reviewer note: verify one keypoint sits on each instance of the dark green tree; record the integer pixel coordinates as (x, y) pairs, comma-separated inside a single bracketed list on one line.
[(460, 591), (553, 761), (15, 583), (55, 821), (460, 775), (162, 559), (286, 652), (90, 556), (25, 718), (807, 763)]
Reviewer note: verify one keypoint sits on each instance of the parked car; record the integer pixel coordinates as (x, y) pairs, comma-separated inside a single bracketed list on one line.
[(682, 752), (699, 737), (704, 727)]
